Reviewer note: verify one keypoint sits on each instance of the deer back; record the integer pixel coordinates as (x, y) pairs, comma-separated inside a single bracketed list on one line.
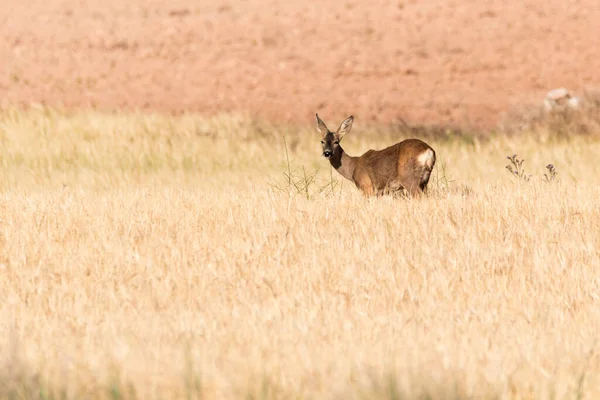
[(392, 167)]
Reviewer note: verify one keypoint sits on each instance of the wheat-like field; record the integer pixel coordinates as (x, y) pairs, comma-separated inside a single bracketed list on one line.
[(145, 256)]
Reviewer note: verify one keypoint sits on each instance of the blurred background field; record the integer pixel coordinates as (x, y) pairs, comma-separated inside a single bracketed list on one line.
[(444, 62)]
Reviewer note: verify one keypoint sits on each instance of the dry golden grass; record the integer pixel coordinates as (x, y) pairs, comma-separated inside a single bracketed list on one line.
[(152, 257)]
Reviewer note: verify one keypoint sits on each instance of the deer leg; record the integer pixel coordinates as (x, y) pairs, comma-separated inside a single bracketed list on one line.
[(363, 182), (412, 186), (367, 190)]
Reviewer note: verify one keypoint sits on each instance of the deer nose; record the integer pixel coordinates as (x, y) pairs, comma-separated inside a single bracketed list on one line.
[(327, 153)]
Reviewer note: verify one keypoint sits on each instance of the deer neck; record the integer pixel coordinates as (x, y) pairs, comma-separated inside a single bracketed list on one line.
[(343, 163)]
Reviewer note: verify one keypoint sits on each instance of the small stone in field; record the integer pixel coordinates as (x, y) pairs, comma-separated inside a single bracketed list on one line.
[(560, 99)]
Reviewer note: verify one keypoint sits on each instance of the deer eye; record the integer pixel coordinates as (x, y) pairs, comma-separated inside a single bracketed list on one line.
[(322, 142), (336, 142)]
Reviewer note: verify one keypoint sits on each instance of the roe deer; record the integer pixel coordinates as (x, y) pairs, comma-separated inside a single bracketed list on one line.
[(406, 165)]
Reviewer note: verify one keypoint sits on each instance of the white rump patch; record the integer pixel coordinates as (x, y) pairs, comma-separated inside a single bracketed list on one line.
[(426, 158)]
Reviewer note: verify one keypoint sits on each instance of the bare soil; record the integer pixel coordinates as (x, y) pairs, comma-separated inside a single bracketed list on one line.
[(433, 62)]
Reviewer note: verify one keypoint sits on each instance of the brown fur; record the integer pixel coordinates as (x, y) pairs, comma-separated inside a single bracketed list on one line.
[(403, 166)]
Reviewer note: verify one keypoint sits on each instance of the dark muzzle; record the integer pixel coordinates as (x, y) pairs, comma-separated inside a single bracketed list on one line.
[(327, 154)]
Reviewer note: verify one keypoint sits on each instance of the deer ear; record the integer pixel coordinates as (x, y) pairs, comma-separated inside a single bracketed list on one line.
[(321, 127), (345, 127)]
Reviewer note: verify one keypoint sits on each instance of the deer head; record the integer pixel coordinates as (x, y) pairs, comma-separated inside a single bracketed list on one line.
[(331, 140)]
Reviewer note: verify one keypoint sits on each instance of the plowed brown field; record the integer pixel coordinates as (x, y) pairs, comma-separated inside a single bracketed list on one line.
[(438, 61)]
